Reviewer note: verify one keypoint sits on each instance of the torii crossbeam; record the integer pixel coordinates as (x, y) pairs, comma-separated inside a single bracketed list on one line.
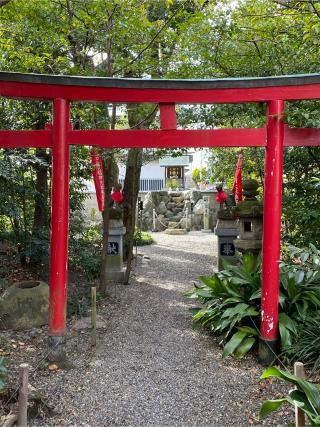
[(62, 90)]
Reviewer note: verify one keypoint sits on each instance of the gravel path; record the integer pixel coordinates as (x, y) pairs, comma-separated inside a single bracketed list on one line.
[(151, 368)]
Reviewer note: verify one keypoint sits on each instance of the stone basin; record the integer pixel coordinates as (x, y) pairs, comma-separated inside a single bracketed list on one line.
[(24, 305)]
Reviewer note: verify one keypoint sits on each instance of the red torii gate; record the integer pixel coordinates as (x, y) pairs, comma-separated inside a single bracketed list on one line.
[(62, 90)]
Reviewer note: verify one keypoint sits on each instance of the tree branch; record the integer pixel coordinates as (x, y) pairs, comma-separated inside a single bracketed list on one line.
[(150, 42)]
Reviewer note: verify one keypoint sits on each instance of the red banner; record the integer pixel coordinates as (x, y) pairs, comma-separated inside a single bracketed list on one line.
[(237, 185), (97, 173)]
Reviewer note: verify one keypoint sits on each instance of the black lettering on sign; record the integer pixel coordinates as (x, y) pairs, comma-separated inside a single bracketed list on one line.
[(227, 249), (113, 248)]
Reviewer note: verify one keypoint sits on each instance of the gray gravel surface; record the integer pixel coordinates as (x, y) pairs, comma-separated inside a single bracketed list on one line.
[(151, 368)]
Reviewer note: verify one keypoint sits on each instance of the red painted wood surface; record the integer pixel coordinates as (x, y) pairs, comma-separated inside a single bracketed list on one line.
[(59, 218), (168, 117), (172, 96), (255, 137), (272, 220)]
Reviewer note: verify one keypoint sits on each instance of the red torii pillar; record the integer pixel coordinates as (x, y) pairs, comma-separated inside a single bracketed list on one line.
[(59, 230), (271, 231)]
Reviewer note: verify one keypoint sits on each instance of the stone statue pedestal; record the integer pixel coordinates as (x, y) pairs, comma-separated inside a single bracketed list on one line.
[(227, 230), (114, 266)]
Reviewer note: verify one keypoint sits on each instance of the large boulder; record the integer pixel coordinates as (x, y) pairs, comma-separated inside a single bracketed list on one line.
[(169, 214), (162, 209), (161, 222), (192, 195), (25, 305), (198, 209), (178, 200)]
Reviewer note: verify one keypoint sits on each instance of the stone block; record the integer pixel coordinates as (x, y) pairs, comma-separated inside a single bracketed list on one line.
[(176, 231), (25, 305)]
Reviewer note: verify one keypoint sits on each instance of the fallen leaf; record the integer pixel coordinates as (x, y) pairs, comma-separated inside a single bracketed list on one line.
[(53, 367)]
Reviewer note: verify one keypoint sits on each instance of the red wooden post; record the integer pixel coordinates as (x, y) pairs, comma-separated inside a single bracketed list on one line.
[(271, 230), (59, 229), (168, 117)]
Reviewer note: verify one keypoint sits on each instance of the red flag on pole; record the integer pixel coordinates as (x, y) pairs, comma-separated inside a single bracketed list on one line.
[(97, 173), (237, 185)]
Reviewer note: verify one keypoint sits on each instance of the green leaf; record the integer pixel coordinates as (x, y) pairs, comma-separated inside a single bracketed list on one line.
[(249, 331), (269, 406), (233, 343), (312, 392), (249, 262), (245, 346)]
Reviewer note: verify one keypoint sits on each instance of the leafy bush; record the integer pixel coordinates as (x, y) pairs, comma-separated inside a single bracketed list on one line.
[(232, 304), (306, 347), (306, 396), (231, 299), (173, 183), (85, 251), (3, 373), (142, 238)]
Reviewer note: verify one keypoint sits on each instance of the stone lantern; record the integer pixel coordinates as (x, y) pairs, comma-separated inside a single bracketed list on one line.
[(226, 230), (250, 215), (114, 266)]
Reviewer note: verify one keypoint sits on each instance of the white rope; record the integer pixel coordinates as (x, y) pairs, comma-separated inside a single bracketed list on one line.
[(184, 212)]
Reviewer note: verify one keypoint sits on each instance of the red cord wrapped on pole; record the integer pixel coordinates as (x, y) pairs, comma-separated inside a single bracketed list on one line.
[(237, 185), (97, 173)]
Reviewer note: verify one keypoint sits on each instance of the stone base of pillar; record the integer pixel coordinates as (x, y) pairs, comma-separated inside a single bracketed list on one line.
[(204, 230), (116, 275), (268, 350)]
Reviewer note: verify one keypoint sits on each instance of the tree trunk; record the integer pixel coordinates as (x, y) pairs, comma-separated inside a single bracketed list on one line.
[(131, 191), (106, 217)]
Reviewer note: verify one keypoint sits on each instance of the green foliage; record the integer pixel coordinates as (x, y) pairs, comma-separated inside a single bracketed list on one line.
[(306, 347), (231, 299), (79, 302), (3, 373), (85, 249), (305, 395), (199, 175), (173, 183), (142, 238)]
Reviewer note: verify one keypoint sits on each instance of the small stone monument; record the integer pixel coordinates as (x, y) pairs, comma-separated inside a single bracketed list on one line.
[(250, 214), (114, 264), (206, 215), (227, 231)]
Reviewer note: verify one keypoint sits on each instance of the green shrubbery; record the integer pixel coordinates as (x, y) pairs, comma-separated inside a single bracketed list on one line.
[(142, 238), (231, 301), (305, 395)]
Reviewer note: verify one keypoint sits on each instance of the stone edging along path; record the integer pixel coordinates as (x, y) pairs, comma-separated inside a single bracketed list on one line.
[(151, 368)]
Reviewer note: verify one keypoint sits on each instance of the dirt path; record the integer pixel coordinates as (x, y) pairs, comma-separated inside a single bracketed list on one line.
[(151, 368)]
